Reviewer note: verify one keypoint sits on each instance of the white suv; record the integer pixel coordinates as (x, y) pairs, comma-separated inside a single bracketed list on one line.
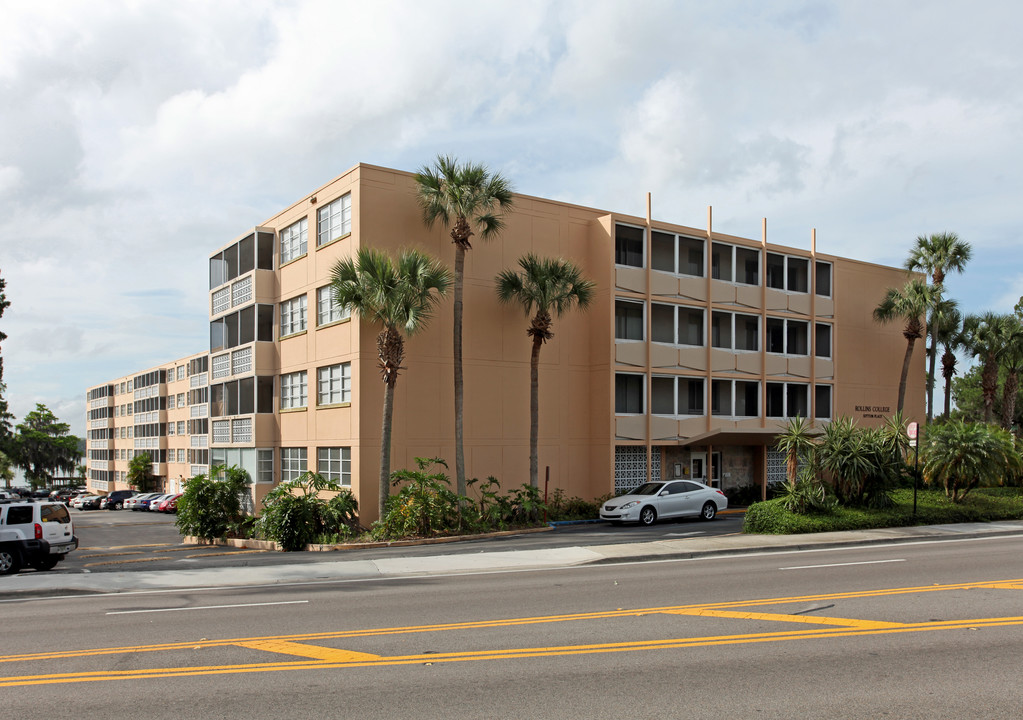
[(38, 535)]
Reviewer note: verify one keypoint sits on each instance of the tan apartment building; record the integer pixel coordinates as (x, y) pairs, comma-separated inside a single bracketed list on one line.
[(161, 411), (697, 349)]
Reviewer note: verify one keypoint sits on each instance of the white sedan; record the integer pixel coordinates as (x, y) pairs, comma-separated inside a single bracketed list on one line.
[(661, 500)]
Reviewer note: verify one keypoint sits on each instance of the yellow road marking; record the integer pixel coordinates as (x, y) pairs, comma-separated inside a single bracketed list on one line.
[(498, 654), (511, 622), (314, 652), (775, 617), (99, 555)]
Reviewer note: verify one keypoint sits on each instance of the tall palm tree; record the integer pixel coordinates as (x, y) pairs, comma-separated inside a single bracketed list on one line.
[(940, 314), (469, 197), (910, 304), (547, 286), (986, 336), (949, 331), (1012, 361), (400, 296), (937, 255)]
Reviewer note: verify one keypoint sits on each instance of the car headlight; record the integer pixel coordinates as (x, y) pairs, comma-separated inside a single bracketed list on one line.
[(628, 505)]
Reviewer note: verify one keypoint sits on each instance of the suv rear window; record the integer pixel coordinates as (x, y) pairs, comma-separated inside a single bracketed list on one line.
[(54, 513), (19, 514)]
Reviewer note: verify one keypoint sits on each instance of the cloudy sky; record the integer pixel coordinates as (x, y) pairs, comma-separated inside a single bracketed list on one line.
[(137, 136)]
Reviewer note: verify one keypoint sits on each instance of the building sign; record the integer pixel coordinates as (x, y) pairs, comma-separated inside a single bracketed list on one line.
[(879, 412)]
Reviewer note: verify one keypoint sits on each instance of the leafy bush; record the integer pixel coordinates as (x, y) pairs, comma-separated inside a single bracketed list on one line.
[(295, 515), (423, 507), (574, 508), (960, 456), (209, 507)]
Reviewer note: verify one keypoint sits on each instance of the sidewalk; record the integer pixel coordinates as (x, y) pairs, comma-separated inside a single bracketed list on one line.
[(453, 562)]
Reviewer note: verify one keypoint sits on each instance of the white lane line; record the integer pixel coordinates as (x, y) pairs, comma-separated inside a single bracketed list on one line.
[(865, 562), (207, 607), (685, 534)]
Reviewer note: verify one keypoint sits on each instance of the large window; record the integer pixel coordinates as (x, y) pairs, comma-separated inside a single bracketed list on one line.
[(253, 252), (628, 246), (293, 463), (335, 464), (823, 284), (822, 402), (327, 311), (628, 320), (676, 396), (735, 264), (334, 220), (676, 324), (822, 340), (628, 394), (788, 273), (241, 397), (334, 384), (787, 400), (734, 331), (254, 322), (788, 337), (734, 398), (293, 390), (293, 315), (293, 240)]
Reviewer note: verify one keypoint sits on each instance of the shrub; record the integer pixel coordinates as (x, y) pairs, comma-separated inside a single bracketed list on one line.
[(574, 508), (209, 507), (424, 506), (295, 515), (960, 456)]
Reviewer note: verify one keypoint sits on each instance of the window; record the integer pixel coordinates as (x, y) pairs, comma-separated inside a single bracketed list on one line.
[(335, 464), (676, 395), (334, 384), (293, 240), (293, 390), (787, 337), (628, 320), (181, 372), (181, 455), (735, 264), (181, 399), (334, 220), (787, 400), (788, 273), (822, 340), (327, 311), (170, 428), (734, 398), (293, 314), (662, 323), (628, 394), (676, 324), (662, 251), (265, 466), (690, 256), (822, 402), (822, 286), (181, 427), (293, 463), (690, 326), (721, 261), (628, 246)]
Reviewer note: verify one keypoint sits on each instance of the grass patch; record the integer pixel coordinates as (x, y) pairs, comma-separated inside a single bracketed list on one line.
[(933, 508)]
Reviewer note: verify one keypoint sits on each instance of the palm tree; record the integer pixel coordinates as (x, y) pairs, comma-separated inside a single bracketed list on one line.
[(470, 196), (1012, 361), (795, 441), (937, 255), (943, 312), (909, 304), (985, 338), (401, 297), (961, 456), (949, 331), (544, 285)]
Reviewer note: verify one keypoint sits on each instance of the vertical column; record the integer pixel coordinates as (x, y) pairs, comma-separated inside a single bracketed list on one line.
[(648, 303), (708, 312), (763, 323), (813, 326)]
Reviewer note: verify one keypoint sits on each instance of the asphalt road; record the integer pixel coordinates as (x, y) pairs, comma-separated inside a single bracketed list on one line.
[(118, 541), (927, 630)]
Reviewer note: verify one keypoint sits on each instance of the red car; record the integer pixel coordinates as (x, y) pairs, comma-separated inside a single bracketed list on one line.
[(170, 504)]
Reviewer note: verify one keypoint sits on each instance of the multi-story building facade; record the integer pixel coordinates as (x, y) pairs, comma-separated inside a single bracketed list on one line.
[(162, 412), (697, 349)]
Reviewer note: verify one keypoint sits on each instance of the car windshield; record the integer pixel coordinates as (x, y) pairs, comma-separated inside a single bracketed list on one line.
[(647, 489)]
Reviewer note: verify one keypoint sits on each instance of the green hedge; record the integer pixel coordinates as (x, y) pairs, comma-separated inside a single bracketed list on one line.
[(933, 508)]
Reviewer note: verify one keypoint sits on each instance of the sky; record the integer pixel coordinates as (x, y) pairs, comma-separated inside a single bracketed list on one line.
[(137, 137)]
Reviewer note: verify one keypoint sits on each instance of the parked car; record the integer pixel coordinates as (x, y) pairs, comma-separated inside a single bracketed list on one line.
[(143, 502), (115, 500), (86, 502), (34, 534), (165, 502), (154, 503), (172, 504), (661, 500)]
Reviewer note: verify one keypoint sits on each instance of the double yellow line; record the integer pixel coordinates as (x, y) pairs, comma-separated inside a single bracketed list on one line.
[(318, 657)]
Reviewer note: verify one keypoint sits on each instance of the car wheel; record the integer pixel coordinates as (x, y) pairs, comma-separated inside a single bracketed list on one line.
[(9, 562), (709, 511), (647, 516), (46, 563), (118, 506)]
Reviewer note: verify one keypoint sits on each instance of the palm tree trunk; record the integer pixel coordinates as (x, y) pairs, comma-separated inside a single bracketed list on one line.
[(1009, 398), (534, 412), (459, 387), (989, 386), (948, 369), (932, 358), (385, 449), (905, 373)]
